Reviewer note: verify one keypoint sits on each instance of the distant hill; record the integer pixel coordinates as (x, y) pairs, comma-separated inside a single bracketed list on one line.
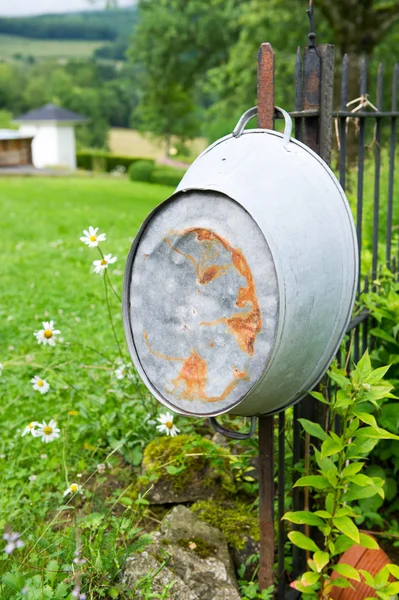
[(109, 25)]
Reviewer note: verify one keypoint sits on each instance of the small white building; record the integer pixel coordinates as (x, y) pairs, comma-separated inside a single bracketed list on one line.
[(52, 129)]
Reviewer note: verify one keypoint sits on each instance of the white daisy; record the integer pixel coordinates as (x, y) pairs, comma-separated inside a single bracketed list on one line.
[(120, 372), (101, 265), (167, 426), (40, 384), (47, 334), (32, 477), (91, 238), (13, 542), (74, 488), (30, 428), (48, 432), (101, 468)]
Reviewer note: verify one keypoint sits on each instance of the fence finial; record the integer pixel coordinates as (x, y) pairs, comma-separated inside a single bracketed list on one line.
[(312, 34)]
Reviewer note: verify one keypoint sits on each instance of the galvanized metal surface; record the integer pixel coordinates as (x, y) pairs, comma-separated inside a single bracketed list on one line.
[(303, 275), (204, 267)]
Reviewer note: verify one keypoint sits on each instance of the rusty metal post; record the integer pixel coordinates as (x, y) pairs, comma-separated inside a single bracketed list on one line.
[(266, 424)]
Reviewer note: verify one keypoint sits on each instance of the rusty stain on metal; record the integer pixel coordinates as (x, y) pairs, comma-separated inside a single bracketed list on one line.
[(266, 86), (192, 379), (266, 471), (190, 384), (245, 326)]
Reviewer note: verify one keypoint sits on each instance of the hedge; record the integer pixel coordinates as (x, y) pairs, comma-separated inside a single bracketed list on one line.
[(97, 160), (138, 169)]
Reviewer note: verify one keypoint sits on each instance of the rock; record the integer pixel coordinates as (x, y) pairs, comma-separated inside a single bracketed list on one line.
[(205, 471), (142, 564), (241, 555), (197, 556)]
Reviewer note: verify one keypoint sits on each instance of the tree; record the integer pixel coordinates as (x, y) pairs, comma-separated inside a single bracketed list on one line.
[(175, 43), (359, 25)]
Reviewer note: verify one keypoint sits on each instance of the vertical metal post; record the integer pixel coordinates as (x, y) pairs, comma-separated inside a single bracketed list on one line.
[(266, 424)]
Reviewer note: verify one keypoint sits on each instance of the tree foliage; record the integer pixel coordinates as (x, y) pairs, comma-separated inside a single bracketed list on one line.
[(175, 43)]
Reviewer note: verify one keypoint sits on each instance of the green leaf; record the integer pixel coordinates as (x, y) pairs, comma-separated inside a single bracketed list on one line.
[(51, 571), (394, 570), (347, 571), (366, 418), (378, 374), (303, 517), (339, 379), (363, 368), (361, 447), (321, 559), (113, 593), (313, 429), (330, 447), (342, 544), (368, 578), (366, 541), (302, 541), (317, 481), (310, 578), (352, 469), (347, 527), (378, 434), (323, 514), (392, 589), (381, 579), (361, 479), (330, 503), (319, 397), (342, 583)]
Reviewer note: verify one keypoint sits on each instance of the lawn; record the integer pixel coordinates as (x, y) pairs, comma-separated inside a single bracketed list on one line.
[(11, 45), (46, 273)]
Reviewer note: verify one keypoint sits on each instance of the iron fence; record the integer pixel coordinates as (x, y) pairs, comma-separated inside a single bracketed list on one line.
[(342, 131)]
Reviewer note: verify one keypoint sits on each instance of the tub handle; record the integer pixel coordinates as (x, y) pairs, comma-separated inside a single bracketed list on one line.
[(230, 433), (252, 112)]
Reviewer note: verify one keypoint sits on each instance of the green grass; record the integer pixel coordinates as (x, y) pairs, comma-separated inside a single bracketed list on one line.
[(46, 273), (11, 45)]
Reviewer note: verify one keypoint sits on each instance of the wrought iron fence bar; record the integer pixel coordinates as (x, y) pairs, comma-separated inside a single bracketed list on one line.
[(392, 147), (377, 155), (360, 171), (297, 554), (281, 508), (342, 122), (298, 92), (364, 114), (366, 321)]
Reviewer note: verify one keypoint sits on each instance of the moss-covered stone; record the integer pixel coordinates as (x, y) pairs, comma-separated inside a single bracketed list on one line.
[(233, 520), (201, 547), (183, 463)]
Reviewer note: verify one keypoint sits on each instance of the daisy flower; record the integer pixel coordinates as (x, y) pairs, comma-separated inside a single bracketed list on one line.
[(13, 542), (167, 426), (40, 384), (101, 265), (48, 432), (120, 372), (47, 334), (91, 238), (74, 488), (101, 468), (30, 428)]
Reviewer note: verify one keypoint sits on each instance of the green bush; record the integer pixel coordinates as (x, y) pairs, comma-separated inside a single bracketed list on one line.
[(97, 160), (141, 170), (167, 175)]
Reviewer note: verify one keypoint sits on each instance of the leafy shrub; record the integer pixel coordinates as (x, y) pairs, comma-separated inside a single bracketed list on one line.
[(97, 160), (141, 170), (167, 175)]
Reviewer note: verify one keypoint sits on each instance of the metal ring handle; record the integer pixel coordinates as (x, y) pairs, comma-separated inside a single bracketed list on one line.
[(235, 435), (252, 112)]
